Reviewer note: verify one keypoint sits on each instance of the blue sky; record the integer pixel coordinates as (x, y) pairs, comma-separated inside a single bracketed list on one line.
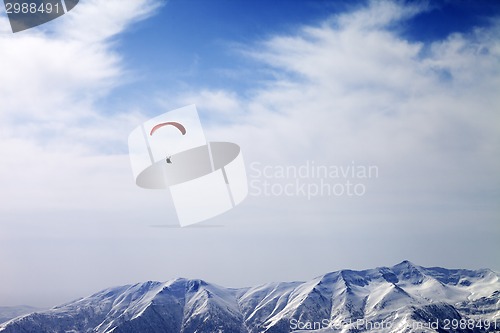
[(194, 42), (410, 87), (198, 44)]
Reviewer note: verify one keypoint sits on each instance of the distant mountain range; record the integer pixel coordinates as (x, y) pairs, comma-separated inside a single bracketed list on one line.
[(402, 298), (9, 312)]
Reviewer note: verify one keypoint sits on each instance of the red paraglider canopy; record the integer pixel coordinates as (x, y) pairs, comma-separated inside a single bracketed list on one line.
[(173, 123)]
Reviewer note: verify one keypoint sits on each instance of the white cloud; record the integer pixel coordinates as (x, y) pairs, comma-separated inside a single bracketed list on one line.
[(354, 93), (55, 76), (379, 14), (52, 133), (223, 104), (96, 21)]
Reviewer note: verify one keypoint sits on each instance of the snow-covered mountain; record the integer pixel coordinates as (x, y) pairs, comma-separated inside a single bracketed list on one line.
[(403, 298)]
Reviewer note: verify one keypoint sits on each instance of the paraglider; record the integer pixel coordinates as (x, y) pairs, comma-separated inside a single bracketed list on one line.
[(177, 125), (172, 123)]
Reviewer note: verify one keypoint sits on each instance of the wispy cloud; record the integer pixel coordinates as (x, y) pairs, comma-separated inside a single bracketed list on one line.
[(95, 21), (51, 129), (51, 78), (352, 89)]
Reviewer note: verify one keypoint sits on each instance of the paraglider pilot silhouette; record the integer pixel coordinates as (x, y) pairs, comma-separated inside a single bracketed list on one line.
[(181, 128), (205, 179)]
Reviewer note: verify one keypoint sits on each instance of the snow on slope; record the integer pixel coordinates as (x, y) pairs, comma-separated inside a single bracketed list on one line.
[(403, 298)]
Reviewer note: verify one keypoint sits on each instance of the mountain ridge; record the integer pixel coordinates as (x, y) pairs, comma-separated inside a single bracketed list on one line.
[(404, 295)]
